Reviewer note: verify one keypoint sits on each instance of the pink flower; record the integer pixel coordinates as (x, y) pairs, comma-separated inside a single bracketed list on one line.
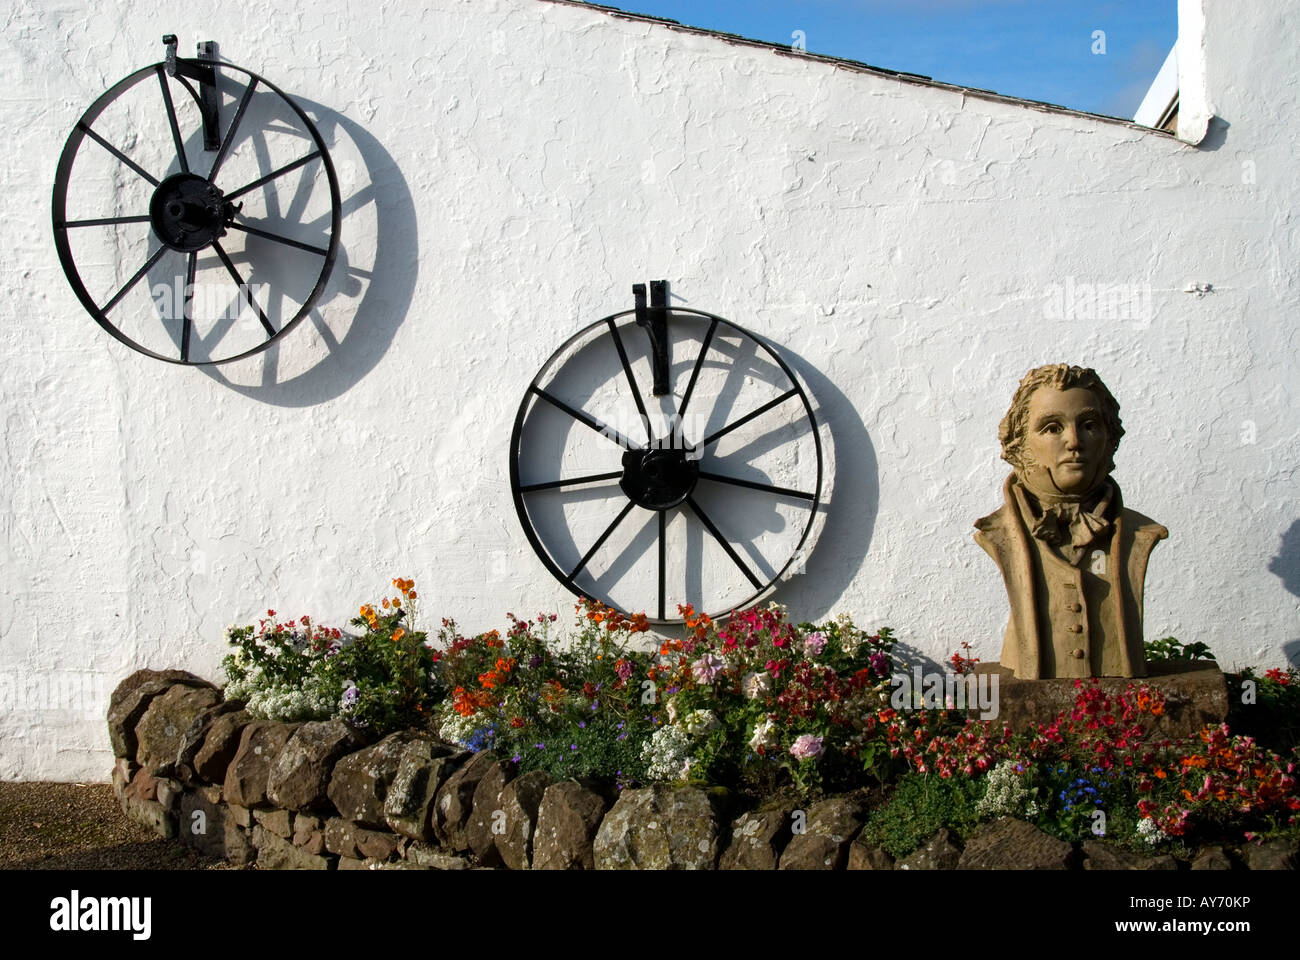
[(814, 643), (806, 747), (707, 668)]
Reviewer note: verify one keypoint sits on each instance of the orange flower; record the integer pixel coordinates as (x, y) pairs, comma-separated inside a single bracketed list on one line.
[(398, 634)]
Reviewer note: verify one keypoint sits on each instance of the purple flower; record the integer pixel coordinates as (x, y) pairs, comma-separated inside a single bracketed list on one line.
[(534, 662), (573, 746), (540, 746), (807, 747), (582, 724), (516, 758), (879, 664)]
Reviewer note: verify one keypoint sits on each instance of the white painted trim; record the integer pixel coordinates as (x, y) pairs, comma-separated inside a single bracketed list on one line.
[(1194, 107), (1162, 94)]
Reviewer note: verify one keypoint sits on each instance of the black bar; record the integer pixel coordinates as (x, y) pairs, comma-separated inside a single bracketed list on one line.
[(663, 524), (171, 119), (605, 431), (273, 174), (190, 269), (106, 221), (157, 255), (699, 363), (241, 285), (116, 152), (571, 482), (603, 537), (767, 487), (749, 416), (279, 239), (230, 133), (627, 369), (717, 535)]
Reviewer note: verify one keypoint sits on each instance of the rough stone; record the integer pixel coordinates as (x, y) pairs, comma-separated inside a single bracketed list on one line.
[(139, 803), (161, 731), (259, 744), (519, 801), (659, 828), (169, 792), (196, 735), (425, 855), (455, 802), (1270, 855), (208, 827), (1211, 858), (359, 783), (304, 825), (241, 815), (351, 840), (829, 828), (279, 822), (757, 839), (424, 767), (131, 698), (1107, 856), (866, 856), (1007, 844), (277, 853), (220, 743), (567, 821), (300, 775), (488, 817), (1195, 694), (941, 853), (143, 785)]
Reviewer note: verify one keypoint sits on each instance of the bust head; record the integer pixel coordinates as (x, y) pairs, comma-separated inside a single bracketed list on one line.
[(1061, 432)]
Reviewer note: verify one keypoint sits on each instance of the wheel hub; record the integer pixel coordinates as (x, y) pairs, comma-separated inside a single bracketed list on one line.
[(188, 212), (658, 479)]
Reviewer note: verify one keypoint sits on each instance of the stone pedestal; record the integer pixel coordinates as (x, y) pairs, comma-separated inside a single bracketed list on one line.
[(1194, 690)]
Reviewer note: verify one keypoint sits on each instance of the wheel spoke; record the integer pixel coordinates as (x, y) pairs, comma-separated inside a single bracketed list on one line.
[(117, 153), (287, 168), (587, 420), (600, 541), (224, 150), (242, 287), (627, 369), (171, 119), (126, 287), (753, 485), (191, 267), (571, 482), (663, 563), (722, 541), (699, 364), (105, 221), (255, 231), (748, 417)]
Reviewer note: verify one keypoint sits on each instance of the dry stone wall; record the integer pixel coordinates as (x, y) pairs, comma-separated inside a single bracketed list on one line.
[(321, 795)]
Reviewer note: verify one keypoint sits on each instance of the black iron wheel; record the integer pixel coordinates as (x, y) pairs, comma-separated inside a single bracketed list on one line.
[(708, 500), (251, 216)]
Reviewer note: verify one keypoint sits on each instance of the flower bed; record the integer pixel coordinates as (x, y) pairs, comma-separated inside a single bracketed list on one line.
[(759, 740)]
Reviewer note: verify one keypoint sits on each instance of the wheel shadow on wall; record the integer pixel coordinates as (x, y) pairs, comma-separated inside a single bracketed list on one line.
[(366, 299)]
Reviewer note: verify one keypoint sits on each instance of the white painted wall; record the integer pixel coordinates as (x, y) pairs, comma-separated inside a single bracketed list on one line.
[(510, 168)]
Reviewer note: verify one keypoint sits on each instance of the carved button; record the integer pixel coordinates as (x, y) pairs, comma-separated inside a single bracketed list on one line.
[(1075, 608), (1075, 628), (1076, 653)]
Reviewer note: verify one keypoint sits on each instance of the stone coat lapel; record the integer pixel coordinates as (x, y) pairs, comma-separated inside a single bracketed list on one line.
[(1004, 537)]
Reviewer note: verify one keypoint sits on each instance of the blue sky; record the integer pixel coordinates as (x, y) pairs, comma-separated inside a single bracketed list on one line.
[(1037, 49)]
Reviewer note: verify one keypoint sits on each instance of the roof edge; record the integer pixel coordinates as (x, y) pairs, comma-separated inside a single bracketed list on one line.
[(857, 66)]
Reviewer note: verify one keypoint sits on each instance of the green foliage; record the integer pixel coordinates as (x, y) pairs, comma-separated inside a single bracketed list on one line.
[(1168, 648), (919, 807), (1266, 707)]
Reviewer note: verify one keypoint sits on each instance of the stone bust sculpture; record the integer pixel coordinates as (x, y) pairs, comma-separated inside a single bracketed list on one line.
[(1073, 558)]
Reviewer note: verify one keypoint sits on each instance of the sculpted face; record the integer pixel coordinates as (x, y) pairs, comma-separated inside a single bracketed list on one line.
[(1065, 443)]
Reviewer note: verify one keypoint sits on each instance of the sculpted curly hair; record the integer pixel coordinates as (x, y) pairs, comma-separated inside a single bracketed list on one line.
[(1011, 431)]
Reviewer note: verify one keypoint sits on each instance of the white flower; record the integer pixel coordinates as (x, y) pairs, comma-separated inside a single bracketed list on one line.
[(1149, 831), (764, 735), (1006, 794), (756, 684), (667, 753), (699, 722), (672, 710)]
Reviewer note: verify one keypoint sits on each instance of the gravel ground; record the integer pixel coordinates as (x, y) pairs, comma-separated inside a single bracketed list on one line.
[(79, 826)]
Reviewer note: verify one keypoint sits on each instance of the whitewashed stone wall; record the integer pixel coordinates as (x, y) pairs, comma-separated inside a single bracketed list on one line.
[(509, 169)]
